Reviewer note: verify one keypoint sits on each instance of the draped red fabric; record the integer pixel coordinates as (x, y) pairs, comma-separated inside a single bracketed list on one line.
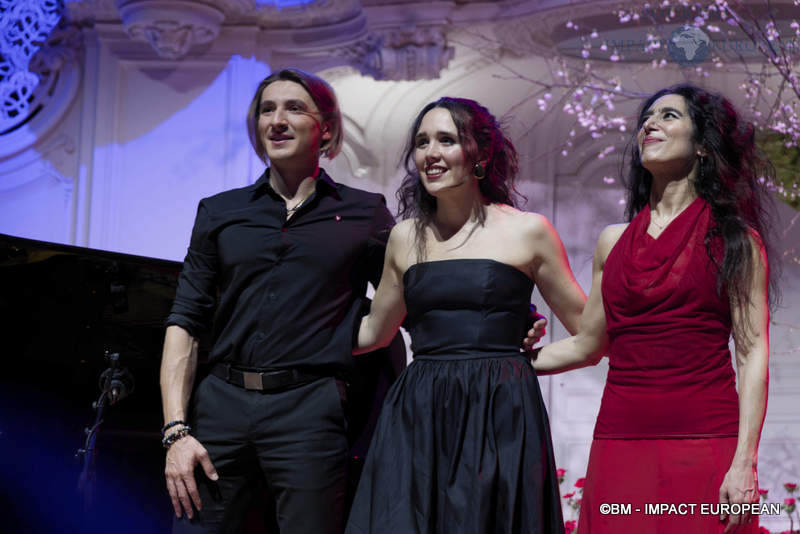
[(670, 371), (686, 473)]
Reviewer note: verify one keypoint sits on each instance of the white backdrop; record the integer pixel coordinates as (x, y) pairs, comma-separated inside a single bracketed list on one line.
[(145, 138)]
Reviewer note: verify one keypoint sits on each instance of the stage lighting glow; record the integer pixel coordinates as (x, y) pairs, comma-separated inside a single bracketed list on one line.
[(281, 4)]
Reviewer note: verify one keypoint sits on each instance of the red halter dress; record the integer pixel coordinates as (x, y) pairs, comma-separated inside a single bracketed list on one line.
[(668, 421)]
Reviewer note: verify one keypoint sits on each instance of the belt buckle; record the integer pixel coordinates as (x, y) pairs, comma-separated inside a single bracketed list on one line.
[(253, 381)]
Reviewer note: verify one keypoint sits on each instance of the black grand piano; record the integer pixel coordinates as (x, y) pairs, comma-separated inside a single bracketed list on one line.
[(63, 310)]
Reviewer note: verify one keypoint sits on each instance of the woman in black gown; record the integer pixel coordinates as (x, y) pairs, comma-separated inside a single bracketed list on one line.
[(463, 443)]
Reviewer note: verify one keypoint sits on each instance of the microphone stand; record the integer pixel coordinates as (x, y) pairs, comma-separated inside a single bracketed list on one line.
[(116, 383)]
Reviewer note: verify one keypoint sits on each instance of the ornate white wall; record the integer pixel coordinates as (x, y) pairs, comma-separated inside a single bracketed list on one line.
[(132, 139)]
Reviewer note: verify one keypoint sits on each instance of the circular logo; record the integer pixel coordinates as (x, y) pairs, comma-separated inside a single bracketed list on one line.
[(688, 46)]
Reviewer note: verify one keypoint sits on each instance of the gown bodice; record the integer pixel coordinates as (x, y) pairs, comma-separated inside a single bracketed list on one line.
[(670, 372), (466, 307)]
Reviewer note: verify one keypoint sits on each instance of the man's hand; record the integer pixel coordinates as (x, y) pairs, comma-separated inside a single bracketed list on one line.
[(182, 457), (739, 486), (537, 330)]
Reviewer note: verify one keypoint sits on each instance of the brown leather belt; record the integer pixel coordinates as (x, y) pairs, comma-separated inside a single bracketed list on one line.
[(274, 380)]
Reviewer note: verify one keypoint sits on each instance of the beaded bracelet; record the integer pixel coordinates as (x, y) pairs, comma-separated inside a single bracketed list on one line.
[(171, 424), (182, 432)]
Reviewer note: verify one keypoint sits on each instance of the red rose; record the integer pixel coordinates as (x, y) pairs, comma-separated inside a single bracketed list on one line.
[(569, 495), (762, 491), (789, 501), (790, 487), (762, 530), (569, 526), (561, 472), (580, 482)]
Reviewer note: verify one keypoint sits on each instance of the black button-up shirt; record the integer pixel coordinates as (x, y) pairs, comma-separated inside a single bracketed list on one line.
[(282, 293)]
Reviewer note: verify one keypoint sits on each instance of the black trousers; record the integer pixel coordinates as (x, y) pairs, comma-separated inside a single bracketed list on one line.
[(293, 440)]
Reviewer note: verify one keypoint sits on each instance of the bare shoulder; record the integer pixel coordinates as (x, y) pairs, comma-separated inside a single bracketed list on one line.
[(608, 238), (527, 222), (401, 244), (403, 230)]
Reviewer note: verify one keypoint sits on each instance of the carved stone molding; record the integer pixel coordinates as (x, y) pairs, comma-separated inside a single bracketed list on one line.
[(364, 55), (306, 14), (172, 27), (409, 53), (313, 13), (399, 40), (414, 53)]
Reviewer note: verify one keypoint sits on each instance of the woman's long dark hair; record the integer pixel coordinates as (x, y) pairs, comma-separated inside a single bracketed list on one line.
[(732, 178), (482, 139)]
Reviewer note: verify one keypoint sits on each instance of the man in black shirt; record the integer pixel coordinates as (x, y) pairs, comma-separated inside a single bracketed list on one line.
[(278, 268)]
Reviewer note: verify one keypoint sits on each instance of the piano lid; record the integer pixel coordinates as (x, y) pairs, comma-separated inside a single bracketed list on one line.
[(60, 299)]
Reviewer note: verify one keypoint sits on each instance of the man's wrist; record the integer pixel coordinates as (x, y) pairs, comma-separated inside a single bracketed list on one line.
[(169, 439), (172, 424)]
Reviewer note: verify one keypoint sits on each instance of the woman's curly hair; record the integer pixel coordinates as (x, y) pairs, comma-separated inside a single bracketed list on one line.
[(482, 140)]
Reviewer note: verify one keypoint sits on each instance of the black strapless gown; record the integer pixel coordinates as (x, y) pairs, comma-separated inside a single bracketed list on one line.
[(462, 444)]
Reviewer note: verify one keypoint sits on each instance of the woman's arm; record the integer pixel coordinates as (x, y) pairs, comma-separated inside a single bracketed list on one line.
[(752, 362), (388, 307), (553, 276), (590, 343)]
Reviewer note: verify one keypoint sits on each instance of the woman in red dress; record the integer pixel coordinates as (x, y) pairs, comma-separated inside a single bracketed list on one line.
[(668, 289)]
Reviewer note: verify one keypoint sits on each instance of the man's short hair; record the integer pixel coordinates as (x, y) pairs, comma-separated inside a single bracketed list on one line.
[(323, 96)]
